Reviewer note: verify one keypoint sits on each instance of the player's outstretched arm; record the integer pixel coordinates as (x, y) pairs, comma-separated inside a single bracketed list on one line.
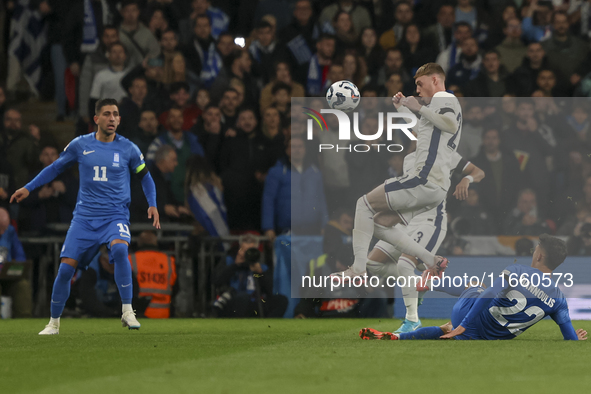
[(19, 195), (153, 213), (47, 175), (472, 174), (569, 333)]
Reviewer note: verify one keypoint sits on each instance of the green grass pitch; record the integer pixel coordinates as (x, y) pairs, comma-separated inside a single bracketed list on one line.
[(280, 356)]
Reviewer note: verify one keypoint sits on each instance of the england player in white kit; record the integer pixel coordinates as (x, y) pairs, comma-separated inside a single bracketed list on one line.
[(400, 199), (428, 229)]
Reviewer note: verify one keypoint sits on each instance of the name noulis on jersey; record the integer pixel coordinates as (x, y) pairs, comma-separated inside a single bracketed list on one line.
[(541, 295)]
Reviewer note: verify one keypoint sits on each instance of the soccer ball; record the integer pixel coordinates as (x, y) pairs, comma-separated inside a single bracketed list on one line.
[(343, 95)]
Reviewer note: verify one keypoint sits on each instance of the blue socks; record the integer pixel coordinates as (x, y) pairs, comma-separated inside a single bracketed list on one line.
[(61, 289), (423, 333), (122, 272)]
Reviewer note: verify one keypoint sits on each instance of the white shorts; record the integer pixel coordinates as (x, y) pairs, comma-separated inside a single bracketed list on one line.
[(428, 233), (410, 196)]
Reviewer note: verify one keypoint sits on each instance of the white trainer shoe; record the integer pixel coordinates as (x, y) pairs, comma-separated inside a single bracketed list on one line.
[(51, 329), (128, 320)]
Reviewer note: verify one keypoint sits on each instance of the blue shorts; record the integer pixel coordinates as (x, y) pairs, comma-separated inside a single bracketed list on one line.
[(461, 309), (85, 237)]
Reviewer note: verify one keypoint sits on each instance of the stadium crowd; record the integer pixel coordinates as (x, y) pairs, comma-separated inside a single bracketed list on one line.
[(205, 88)]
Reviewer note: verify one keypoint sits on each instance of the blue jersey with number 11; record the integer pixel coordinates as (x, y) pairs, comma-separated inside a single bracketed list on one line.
[(519, 307), (104, 169)]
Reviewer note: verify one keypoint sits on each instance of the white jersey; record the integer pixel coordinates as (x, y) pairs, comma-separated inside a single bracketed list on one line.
[(435, 214), (436, 148)]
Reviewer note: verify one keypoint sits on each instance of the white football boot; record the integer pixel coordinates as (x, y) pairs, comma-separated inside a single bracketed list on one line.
[(128, 320), (51, 329)]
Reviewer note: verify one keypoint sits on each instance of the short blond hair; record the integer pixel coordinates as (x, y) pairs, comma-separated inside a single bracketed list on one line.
[(430, 69)]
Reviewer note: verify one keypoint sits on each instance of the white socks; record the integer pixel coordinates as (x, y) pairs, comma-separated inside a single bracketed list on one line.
[(409, 292), (362, 234), (126, 308), (401, 241)]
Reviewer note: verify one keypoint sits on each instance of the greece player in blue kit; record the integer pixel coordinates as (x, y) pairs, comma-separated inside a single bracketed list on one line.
[(508, 308), (105, 162)]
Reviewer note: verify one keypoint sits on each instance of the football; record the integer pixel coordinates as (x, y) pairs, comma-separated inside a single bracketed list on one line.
[(343, 95)]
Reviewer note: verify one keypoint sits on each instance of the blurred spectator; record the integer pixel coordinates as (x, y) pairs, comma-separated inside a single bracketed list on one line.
[(344, 32), (229, 107), (369, 49), (93, 64), (306, 199), (242, 169), (439, 35), (475, 215), (491, 80), (218, 19), (498, 190), (355, 70), (53, 202), (565, 52), (468, 67), (512, 50), (7, 186), (414, 50), (155, 273), (239, 67), (530, 148), (205, 197), (337, 241), (467, 12), (266, 51), (175, 71), (19, 147), (55, 13), (180, 98), (403, 16), (132, 106), (359, 15), (449, 57), (579, 244), (394, 63), (137, 38), (537, 22), (185, 144), (205, 60), (81, 38), (471, 141), (2, 106), (273, 132), (202, 99), (319, 65), (299, 37), (525, 76), (210, 132), (282, 75), (107, 82), (147, 130), (525, 218), (225, 46), (158, 23), (546, 82), (11, 249), (246, 284)]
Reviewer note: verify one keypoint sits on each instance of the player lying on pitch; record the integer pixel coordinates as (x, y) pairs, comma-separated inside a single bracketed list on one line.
[(428, 229), (503, 311), (105, 162)]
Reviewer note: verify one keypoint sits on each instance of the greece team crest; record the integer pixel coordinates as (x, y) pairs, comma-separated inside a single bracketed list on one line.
[(116, 159)]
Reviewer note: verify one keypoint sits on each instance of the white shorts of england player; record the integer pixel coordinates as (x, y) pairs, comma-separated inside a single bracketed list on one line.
[(410, 196), (429, 233)]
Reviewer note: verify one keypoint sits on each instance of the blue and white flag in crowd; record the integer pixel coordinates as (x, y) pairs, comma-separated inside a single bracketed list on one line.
[(28, 37)]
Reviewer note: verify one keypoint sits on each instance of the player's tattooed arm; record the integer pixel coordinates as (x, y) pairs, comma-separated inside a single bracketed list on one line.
[(472, 174)]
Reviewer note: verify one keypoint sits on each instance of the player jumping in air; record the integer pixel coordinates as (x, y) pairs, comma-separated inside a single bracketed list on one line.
[(428, 229), (503, 311), (105, 161), (400, 199)]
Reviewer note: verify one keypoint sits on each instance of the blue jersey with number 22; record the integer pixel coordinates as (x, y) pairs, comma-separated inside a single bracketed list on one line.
[(519, 307), (104, 169)]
